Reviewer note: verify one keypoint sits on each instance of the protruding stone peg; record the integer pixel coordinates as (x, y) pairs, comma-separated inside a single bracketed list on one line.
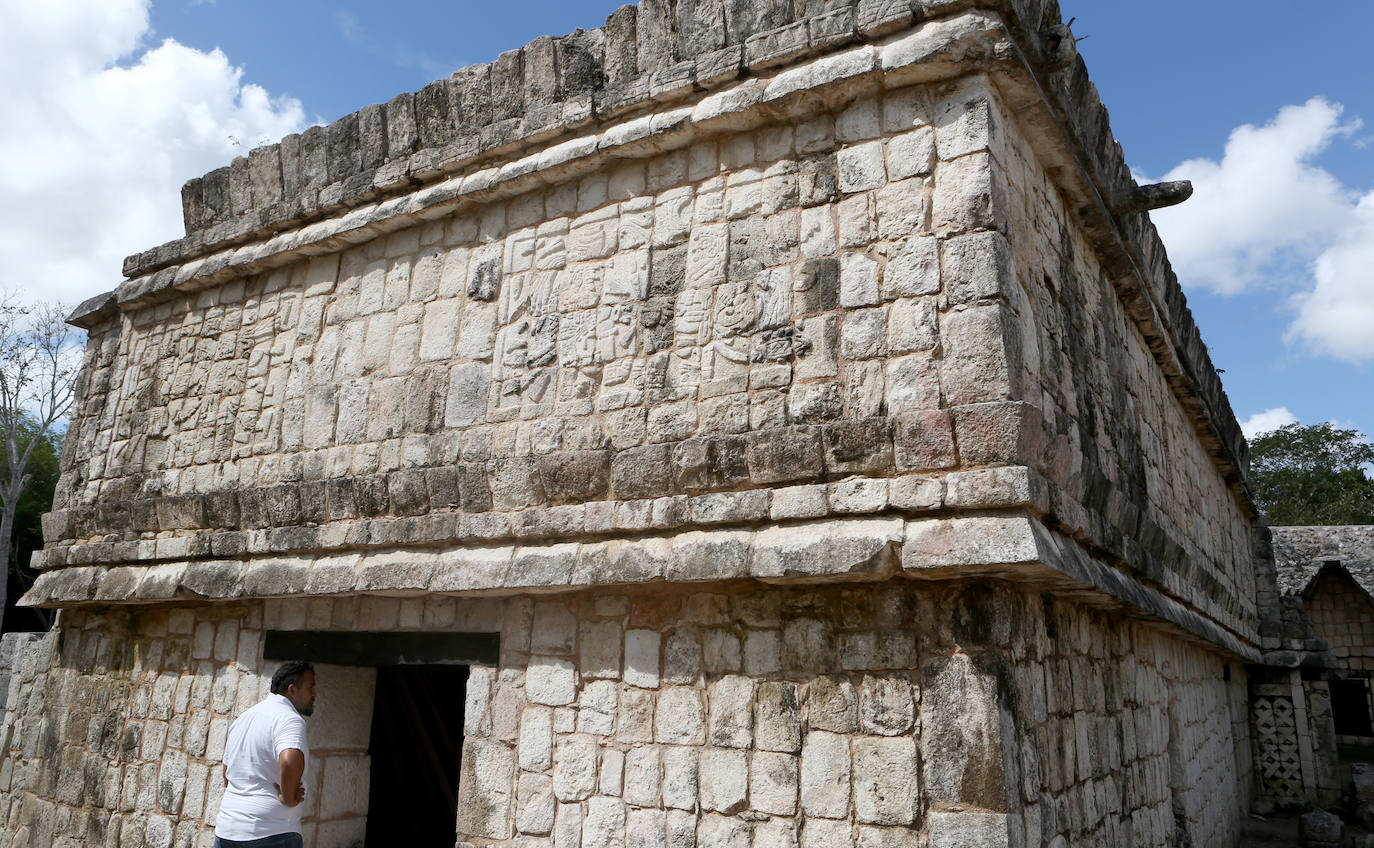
[(1143, 198)]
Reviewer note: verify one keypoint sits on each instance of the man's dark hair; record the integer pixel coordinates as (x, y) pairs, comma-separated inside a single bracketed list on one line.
[(289, 673)]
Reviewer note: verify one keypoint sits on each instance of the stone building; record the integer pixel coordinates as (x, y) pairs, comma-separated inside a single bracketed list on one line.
[(745, 425), (1326, 575)]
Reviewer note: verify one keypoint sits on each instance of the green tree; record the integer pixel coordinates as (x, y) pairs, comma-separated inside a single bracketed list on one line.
[(1307, 475), (43, 469), (37, 369)]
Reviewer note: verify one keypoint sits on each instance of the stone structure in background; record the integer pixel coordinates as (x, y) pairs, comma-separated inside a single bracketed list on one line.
[(1314, 714), (788, 403)]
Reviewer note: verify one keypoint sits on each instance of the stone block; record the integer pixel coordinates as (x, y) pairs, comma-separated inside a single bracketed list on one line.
[(723, 776), (886, 705), (535, 750), (997, 433), (777, 47), (550, 681), (858, 447), (832, 705), (575, 476), (923, 440), (535, 804), (717, 831), (878, 17), (802, 501), (773, 783), (604, 826), (713, 555), (961, 733), (913, 325), (785, 455), (825, 775), (981, 363), (886, 789), (970, 194), (777, 717), (729, 507), (851, 547), (484, 791), (642, 658), (967, 119), (574, 768), (642, 472), (860, 167), (679, 719), (969, 830), (976, 266), (731, 720)]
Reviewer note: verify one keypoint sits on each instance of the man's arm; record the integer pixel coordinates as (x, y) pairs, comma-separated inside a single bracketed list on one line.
[(291, 769)]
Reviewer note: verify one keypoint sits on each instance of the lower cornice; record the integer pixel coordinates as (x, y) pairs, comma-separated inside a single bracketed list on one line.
[(1014, 546)]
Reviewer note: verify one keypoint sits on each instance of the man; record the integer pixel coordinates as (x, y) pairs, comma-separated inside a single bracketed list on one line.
[(264, 766)]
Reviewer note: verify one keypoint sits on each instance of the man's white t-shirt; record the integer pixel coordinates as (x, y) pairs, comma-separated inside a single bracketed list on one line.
[(250, 808)]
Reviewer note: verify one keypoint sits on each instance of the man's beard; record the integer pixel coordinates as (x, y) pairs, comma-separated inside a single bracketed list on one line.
[(305, 711)]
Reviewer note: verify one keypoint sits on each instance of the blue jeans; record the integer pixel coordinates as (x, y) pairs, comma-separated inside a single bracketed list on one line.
[(281, 840)]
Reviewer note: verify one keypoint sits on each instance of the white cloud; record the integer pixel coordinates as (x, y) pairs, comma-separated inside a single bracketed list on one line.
[(1263, 203), (100, 132), (1264, 422), (1267, 216), (1337, 317)]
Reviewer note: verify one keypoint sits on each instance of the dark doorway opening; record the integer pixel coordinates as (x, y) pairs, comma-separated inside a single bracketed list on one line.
[(416, 748), (1350, 707)]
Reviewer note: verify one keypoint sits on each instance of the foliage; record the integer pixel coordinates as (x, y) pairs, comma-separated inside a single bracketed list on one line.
[(43, 469), (37, 371), (1312, 475)]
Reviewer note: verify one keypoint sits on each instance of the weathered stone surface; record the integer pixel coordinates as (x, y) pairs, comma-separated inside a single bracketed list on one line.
[(574, 768), (604, 826), (551, 681), (969, 830), (713, 555), (886, 790), (825, 775), (773, 783), (731, 721), (723, 778), (484, 792), (777, 717), (679, 719), (961, 733), (859, 547)]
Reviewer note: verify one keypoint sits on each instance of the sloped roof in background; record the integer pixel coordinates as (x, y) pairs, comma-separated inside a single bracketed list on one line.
[(1300, 553)]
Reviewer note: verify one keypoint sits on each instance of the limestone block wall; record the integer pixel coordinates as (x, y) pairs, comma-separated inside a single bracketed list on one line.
[(1127, 467), (795, 367), (859, 296), (729, 715), (756, 311)]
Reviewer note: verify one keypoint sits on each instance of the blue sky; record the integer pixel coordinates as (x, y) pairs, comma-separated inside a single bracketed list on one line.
[(1275, 251)]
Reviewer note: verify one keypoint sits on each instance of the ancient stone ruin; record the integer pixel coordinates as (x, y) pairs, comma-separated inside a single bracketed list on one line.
[(751, 424)]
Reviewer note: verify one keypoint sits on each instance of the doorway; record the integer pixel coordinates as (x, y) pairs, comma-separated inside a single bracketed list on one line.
[(396, 780), (416, 746), (1350, 707)]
